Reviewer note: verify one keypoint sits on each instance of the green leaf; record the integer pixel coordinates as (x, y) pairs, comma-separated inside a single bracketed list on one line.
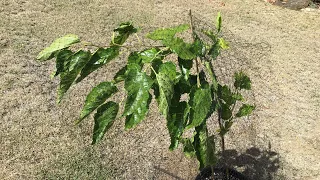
[(120, 75), (62, 61), (214, 51), (237, 97), (99, 58), (147, 56), (200, 102), (126, 27), (167, 33), (226, 113), (176, 121), (124, 31), (182, 49), (210, 34), (96, 97), (137, 85), (185, 66), (166, 78), (103, 120), (77, 62), (245, 110), (134, 62), (223, 44), (242, 81), (57, 45), (218, 22), (204, 147), (188, 148), (198, 47), (226, 95)]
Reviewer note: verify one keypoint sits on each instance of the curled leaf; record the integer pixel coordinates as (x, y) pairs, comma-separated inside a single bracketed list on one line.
[(218, 22)]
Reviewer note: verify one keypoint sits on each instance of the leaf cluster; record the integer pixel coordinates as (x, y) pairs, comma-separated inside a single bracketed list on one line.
[(148, 70)]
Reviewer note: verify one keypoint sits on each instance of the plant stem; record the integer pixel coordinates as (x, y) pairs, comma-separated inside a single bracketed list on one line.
[(193, 35), (221, 126), (210, 69), (124, 46), (213, 77)]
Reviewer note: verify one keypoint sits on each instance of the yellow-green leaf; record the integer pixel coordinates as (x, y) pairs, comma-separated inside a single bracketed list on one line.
[(58, 44), (223, 44)]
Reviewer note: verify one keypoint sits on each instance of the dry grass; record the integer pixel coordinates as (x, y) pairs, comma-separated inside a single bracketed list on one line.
[(39, 141)]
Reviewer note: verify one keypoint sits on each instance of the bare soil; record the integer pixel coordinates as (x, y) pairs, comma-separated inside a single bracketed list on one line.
[(38, 139)]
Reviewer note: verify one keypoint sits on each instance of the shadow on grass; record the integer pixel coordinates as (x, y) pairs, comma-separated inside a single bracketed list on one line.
[(255, 164)]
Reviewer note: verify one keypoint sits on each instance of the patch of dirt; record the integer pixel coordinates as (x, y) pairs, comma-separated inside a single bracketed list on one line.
[(36, 133)]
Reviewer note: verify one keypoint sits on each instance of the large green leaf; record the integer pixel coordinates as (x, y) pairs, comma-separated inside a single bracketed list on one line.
[(62, 60), (167, 33), (200, 102), (58, 44), (137, 85), (245, 110), (204, 147), (76, 63), (166, 78), (176, 122), (99, 58), (96, 97), (182, 49), (103, 120), (242, 81)]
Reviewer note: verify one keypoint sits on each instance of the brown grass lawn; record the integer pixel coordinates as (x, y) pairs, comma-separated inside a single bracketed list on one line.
[(38, 139)]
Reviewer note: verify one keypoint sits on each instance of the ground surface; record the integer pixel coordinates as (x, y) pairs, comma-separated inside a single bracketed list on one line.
[(39, 140)]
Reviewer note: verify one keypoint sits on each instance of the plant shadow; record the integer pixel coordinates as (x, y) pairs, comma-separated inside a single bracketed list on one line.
[(255, 163)]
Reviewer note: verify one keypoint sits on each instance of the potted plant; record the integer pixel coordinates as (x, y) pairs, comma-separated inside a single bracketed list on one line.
[(150, 69)]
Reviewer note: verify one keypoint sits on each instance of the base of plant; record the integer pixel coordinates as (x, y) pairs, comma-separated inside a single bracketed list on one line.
[(221, 173)]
